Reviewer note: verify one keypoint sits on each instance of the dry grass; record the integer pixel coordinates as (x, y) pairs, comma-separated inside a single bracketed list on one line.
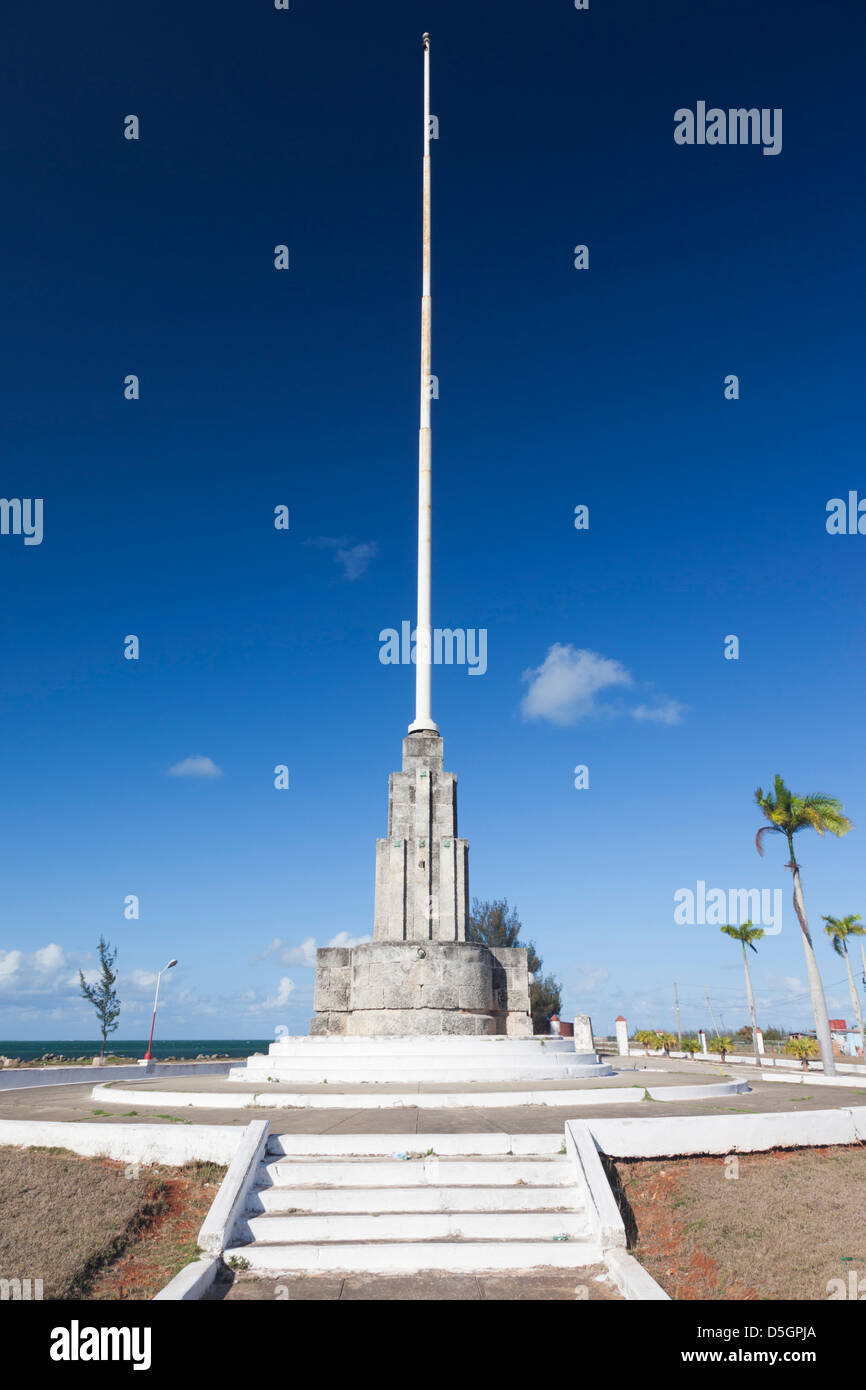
[(75, 1222), (169, 1242), (788, 1223)]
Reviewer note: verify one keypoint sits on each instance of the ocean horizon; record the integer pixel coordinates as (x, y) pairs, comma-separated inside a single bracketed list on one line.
[(31, 1050)]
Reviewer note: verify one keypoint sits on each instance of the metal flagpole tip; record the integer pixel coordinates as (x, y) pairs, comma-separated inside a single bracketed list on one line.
[(425, 39)]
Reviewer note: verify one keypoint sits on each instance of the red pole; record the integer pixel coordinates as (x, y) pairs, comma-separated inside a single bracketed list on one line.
[(153, 1020), (150, 1039)]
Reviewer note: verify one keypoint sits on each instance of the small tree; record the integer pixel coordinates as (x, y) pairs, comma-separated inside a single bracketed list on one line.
[(690, 1046), (722, 1045), (804, 1048), (643, 1037), (496, 924), (102, 995), (667, 1041)]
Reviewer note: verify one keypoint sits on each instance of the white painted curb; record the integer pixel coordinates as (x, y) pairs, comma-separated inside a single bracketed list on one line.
[(192, 1281), (419, 1100), (152, 1143), (630, 1277), (802, 1078), (23, 1078), (725, 1134), (601, 1208), (229, 1204)]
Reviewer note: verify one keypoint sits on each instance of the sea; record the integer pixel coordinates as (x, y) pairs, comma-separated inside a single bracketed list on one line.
[(188, 1048)]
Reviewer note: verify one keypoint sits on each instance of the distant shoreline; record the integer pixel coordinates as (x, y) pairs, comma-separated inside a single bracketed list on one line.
[(81, 1051)]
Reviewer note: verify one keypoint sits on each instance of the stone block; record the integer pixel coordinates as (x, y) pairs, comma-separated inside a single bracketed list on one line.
[(331, 989)]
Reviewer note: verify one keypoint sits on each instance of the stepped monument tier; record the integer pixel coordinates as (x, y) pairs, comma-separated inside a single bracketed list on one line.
[(419, 976)]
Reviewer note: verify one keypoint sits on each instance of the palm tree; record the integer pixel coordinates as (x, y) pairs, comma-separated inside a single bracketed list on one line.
[(839, 929), (747, 935), (787, 814)]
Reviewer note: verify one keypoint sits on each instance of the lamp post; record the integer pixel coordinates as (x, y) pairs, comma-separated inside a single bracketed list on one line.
[(155, 1002)]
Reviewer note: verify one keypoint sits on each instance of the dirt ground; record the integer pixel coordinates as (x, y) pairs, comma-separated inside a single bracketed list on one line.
[(778, 1225), (92, 1228)]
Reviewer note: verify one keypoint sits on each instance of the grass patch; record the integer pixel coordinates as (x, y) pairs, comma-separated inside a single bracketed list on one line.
[(66, 1217), (92, 1228), (789, 1222), (170, 1241)]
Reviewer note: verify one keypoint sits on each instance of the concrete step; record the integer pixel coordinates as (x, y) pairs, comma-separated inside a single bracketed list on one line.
[(372, 1200), (349, 1228), (384, 1145), (396, 1257), (304, 1071), (432, 1045), (421, 1172)]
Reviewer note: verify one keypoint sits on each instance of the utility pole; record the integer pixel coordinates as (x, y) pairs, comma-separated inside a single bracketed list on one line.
[(677, 1006), (712, 1015)]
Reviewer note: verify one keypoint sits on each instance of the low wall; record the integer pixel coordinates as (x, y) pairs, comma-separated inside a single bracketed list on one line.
[(19, 1078), (170, 1144), (726, 1134)]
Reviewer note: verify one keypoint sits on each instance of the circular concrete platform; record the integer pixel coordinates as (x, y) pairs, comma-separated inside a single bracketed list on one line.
[(344, 1060), (563, 1095)]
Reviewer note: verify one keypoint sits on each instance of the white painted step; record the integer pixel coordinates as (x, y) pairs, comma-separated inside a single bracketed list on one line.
[(405, 1257), (433, 1045), (303, 1200), (302, 1071), (340, 1227), (384, 1145), (438, 1172)]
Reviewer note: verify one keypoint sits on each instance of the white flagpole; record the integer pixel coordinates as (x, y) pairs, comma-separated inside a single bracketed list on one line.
[(423, 636)]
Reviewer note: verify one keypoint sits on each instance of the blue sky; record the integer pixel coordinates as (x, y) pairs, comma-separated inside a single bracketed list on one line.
[(558, 387)]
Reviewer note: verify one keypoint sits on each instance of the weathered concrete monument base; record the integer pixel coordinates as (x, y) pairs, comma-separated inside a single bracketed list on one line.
[(414, 988)]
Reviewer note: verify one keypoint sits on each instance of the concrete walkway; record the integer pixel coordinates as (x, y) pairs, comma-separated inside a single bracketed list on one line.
[(591, 1283), (75, 1103)]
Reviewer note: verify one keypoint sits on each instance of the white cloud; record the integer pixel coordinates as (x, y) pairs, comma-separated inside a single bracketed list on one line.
[(589, 979), (142, 979), (195, 767), (285, 989), (565, 689), (10, 965), (669, 712), (355, 559), (305, 954), (344, 938), (49, 958)]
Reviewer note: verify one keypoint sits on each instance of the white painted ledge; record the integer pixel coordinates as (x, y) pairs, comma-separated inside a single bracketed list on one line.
[(678, 1135), (192, 1282), (602, 1211), (229, 1204), (171, 1144), (630, 1277), (332, 1098)]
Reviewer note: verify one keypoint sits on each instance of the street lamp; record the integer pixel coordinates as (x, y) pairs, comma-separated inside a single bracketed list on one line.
[(155, 1001)]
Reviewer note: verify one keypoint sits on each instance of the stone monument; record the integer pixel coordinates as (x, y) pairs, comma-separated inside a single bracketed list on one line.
[(419, 975), (420, 1003)]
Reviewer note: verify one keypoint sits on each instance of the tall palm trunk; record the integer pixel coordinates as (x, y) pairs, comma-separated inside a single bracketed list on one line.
[(752, 1015), (813, 974), (855, 997)]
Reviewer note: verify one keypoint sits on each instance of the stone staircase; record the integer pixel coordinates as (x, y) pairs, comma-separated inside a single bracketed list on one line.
[(316, 1209)]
